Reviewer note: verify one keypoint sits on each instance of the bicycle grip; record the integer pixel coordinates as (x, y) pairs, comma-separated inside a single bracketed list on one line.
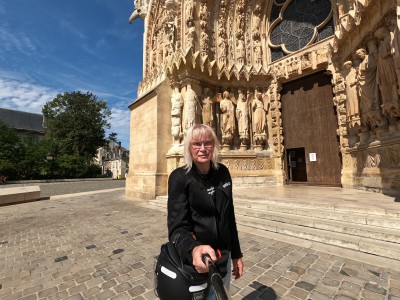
[(206, 257)]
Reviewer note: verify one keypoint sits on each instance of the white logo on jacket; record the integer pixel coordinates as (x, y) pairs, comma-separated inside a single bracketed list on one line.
[(226, 184), (211, 191)]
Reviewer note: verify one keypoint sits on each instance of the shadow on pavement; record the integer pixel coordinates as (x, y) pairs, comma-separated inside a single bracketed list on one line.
[(261, 292)]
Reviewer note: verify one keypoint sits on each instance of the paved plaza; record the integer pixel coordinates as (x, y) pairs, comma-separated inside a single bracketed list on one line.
[(60, 187), (102, 245)]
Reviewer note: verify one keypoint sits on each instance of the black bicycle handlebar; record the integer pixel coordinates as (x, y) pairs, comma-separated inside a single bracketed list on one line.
[(216, 279)]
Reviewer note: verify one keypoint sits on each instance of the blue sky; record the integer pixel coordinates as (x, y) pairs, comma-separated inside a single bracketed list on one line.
[(49, 47)]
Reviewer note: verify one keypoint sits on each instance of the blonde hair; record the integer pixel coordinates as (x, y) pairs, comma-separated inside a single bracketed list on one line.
[(196, 132)]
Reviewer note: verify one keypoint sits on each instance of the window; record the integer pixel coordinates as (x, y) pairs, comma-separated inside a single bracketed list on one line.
[(302, 23)]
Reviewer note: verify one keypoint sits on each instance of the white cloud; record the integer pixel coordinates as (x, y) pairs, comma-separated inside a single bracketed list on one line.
[(24, 96), (16, 41), (120, 121), (69, 26), (105, 96), (101, 43)]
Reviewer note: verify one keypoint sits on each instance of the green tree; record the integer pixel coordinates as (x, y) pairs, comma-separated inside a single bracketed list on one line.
[(112, 137), (11, 151), (76, 125), (34, 163)]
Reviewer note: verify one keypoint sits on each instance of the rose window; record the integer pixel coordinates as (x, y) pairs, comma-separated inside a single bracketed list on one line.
[(296, 24)]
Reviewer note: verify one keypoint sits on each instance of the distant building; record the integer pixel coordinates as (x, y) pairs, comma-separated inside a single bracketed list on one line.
[(25, 123), (113, 160)]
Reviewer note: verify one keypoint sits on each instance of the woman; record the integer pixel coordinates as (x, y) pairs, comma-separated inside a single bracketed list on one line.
[(201, 217)]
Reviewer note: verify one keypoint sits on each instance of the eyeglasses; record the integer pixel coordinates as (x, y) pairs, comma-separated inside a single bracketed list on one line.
[(206, 144)]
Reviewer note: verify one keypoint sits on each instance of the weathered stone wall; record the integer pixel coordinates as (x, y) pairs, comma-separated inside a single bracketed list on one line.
[(202, 58), (246, 169), (148, 170), (366, 78)]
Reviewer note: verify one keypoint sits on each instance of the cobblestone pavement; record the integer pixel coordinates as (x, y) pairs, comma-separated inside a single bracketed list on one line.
[(102, 246), (60, 188)]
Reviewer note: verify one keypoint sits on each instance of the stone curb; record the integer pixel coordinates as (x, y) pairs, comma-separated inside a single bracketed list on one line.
[(84, 193)]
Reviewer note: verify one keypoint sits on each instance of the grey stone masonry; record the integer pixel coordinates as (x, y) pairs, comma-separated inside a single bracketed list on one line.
[(103, 246)]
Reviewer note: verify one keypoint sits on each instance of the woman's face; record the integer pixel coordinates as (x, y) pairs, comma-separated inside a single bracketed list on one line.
[(202, 150)]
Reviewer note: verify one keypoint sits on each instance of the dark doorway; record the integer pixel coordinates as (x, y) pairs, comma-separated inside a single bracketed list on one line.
[(310, 123), (296, 162)]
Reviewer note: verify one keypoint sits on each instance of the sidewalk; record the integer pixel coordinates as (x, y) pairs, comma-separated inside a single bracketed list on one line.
[(62, 187), (101, 245)]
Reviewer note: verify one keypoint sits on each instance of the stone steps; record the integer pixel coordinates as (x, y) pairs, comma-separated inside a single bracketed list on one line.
[(362, 229), (337, 207), (339, 225), (362, 244)]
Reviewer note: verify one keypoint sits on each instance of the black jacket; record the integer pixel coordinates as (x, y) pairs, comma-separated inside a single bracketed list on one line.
[(197, 218)]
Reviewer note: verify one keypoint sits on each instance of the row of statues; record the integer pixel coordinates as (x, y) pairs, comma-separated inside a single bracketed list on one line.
[(244, 117), (195, 30), (373, 81)]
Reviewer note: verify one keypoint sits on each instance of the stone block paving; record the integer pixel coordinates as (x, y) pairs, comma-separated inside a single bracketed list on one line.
[(48, 189), (103, 246)]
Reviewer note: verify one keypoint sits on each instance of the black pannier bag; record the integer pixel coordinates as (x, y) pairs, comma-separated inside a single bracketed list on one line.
[(174, 280)]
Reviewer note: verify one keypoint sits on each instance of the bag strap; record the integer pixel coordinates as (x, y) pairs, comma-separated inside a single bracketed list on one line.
[(173, 254)]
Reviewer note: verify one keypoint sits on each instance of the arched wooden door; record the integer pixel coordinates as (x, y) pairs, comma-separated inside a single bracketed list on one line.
[(309, 129)]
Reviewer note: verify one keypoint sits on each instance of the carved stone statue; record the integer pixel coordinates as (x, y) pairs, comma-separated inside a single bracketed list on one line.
[(367, 88), (222, 44), (169, 41), (242, 115), (191, 32), (386, 74), (257, 52), (160, 48), (203, 14), (170, 32), (256, 22), (208, 109), (395, 45), (192, 108), (240, 22), (259, 119), (343, 7), (222, 37), (227, 119), (204, 42), (189, 10), (176, 113), (352, 104), (240, 50)]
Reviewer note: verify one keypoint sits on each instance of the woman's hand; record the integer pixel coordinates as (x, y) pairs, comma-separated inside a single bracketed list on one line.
[(237, 269), (197, 255)]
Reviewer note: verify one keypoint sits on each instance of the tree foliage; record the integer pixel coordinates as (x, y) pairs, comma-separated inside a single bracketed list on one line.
[(11, 149), (112, 137), (76, 125), (34, 164)]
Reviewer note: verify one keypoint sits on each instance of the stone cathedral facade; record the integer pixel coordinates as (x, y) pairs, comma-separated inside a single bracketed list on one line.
[(297, 91)]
